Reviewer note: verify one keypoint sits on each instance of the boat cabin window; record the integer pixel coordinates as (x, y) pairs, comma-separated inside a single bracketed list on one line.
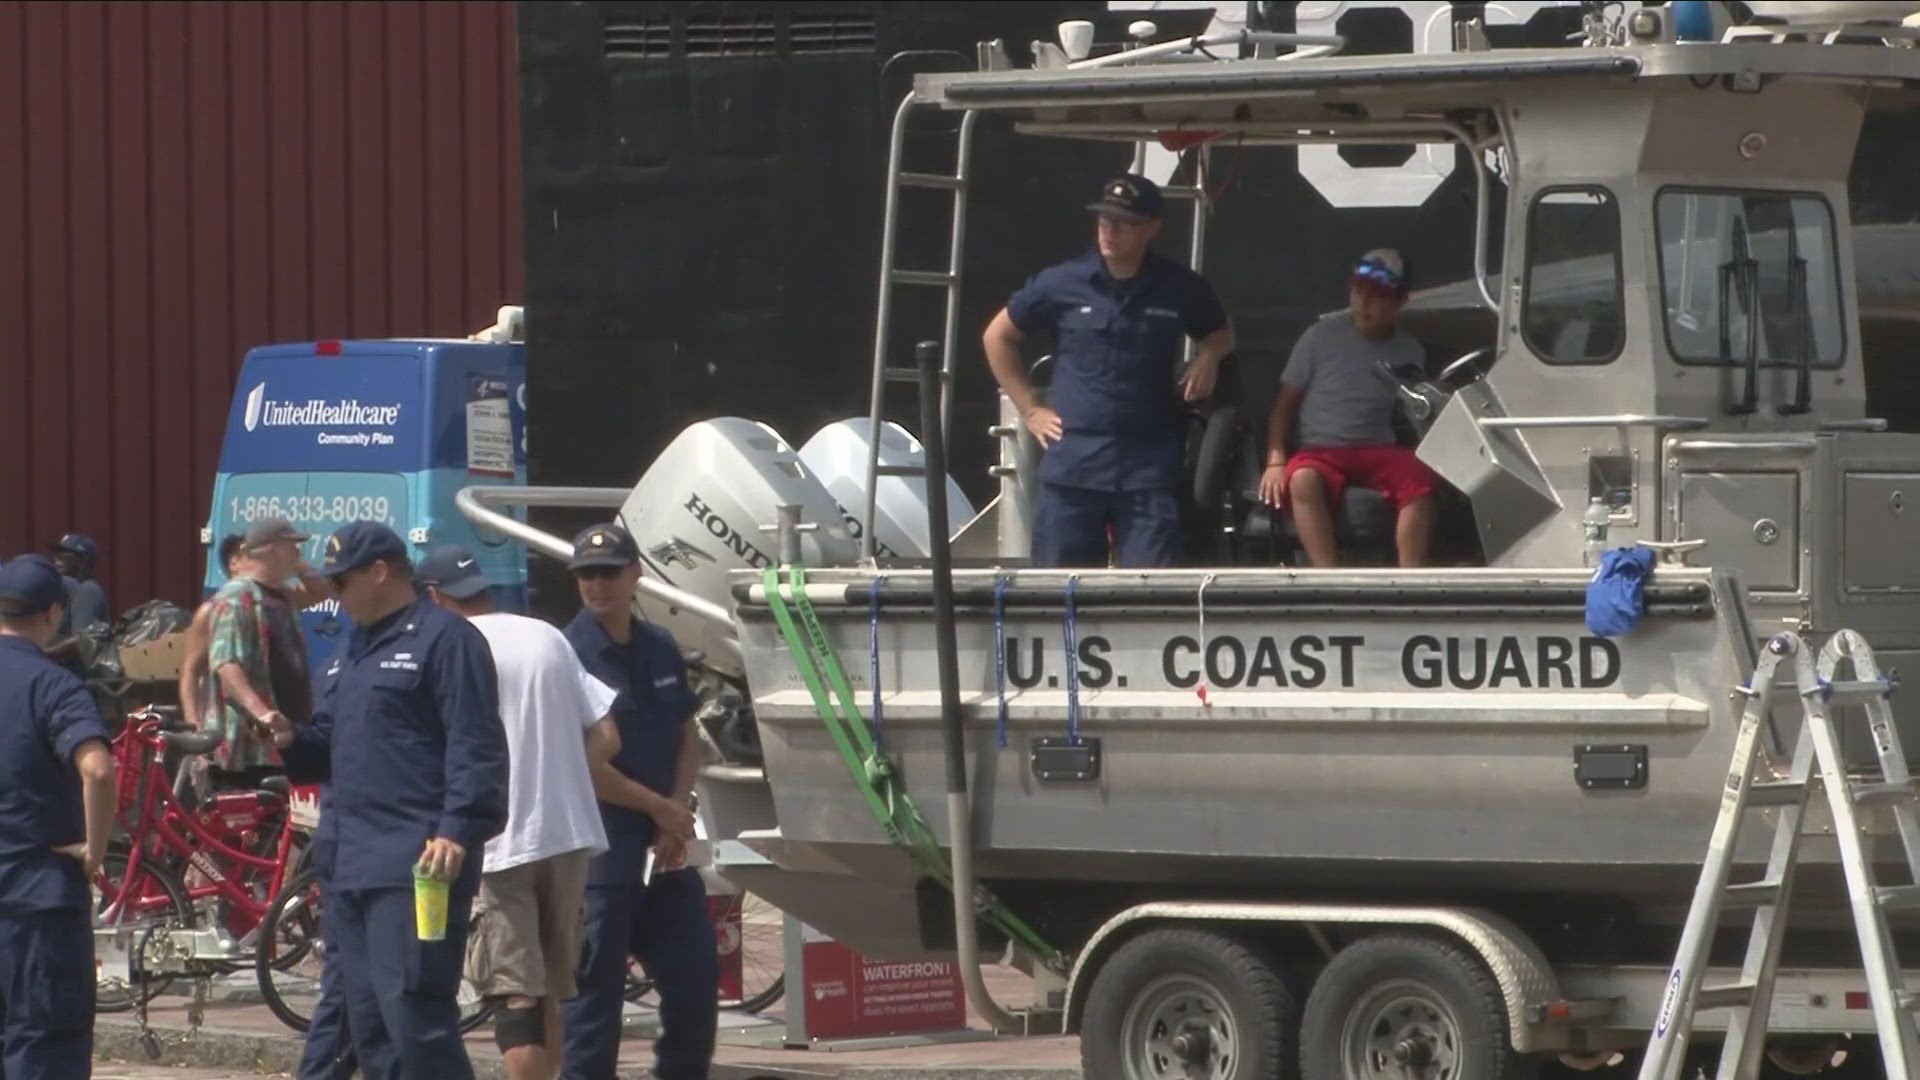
[(1749, 276), (1573, 303)]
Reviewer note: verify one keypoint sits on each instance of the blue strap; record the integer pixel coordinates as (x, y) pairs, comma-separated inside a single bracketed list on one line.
[(1072, 634), (873, 648), (1000, 654)]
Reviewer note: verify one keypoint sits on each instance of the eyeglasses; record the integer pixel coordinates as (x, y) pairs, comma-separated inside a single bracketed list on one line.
[(598, 573)]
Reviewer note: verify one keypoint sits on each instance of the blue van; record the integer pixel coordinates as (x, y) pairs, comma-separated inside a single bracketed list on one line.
[(327, 432)]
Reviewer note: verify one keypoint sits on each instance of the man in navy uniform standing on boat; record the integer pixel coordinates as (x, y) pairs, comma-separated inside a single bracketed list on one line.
[(1111, 428)]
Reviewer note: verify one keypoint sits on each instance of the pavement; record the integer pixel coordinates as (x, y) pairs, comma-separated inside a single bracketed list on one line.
[(240, 1038)]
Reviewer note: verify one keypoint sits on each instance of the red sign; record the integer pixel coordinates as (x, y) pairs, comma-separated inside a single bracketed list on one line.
[(850, 996)]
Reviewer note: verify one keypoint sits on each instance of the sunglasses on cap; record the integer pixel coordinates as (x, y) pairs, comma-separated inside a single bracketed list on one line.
[(1376, 274)]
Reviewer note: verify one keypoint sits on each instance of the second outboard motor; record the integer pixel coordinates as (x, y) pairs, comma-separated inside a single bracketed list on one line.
[(837, 454)]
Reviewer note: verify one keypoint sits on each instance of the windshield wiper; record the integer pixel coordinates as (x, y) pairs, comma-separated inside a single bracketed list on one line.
[(1739, 275), (1802, 327)]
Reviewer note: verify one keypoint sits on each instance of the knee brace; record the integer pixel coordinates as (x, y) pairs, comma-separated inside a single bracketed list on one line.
[(514, 1028)]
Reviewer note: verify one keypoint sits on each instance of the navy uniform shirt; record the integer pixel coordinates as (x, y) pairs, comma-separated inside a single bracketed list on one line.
[(407, 728), (651, 711), (1116, 347), (45, 715)]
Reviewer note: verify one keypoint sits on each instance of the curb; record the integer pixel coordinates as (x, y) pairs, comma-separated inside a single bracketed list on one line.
[(116, 1039)]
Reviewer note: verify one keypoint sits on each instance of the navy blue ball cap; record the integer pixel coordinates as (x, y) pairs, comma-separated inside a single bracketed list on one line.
[(358, 543), (453, 570), (1129, 197), (30, 585), (603, 545), (79, 545)]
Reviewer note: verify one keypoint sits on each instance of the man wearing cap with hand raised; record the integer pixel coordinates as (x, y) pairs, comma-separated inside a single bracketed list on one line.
[(407, 728), (56, 813), (1332, 422), (645, 794), (1110, 428), (256, 655)]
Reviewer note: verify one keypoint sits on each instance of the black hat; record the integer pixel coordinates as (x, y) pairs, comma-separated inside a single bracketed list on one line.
[(358, 543), (1130, 197), (30, 585), (453, 570), (80, 546), (604, 545), (272, 531)]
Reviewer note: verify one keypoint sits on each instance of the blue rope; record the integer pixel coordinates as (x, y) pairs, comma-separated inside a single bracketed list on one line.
[(873, 648), (1072, 634), (1000, 654)]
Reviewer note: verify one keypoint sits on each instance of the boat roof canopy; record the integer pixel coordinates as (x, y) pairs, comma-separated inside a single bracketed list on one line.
[(1321, 98)]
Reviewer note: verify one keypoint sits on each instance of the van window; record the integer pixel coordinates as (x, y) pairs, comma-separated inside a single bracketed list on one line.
[(1573, 306), (317, 503), (1749, 274)]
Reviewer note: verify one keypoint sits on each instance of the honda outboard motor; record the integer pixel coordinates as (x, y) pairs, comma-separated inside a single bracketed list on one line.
[(837, 455), (707, 507)]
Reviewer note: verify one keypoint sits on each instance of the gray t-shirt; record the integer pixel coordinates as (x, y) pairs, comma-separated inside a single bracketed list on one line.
[(1349, 401)]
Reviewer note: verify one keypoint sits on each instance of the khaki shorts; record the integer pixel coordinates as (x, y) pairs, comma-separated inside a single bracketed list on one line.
[(528, 923)]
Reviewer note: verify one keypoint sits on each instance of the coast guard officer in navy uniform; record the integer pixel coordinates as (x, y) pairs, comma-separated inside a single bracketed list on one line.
[(407, 728), (56, 812), (646, 804), (1111, 427)]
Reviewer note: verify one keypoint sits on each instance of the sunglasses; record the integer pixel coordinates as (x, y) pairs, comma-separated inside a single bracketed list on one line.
[(599, 573)]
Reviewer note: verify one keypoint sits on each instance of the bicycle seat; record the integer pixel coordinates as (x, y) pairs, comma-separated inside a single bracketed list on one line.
[(192, 742), (277, 785)]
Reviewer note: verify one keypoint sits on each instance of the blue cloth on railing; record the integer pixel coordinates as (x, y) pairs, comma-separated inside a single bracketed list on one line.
[(1616, 598)]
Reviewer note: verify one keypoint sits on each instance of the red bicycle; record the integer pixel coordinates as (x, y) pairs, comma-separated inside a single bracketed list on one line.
[(223, 860)]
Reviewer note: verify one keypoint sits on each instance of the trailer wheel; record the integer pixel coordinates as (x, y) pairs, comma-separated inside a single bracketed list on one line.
[(1188, 1005), (1398, 1007)]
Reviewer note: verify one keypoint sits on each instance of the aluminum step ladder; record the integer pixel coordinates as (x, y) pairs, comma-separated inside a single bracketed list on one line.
[(899, 179), (1750, 997)]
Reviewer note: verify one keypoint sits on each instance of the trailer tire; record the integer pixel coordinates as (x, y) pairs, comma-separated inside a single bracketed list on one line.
[(1392, 997), (1175, 995)]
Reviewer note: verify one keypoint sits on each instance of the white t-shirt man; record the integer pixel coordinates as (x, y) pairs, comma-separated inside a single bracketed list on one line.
[(547, 703)]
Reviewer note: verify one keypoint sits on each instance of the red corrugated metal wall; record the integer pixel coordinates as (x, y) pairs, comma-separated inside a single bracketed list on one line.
[(182, 181)]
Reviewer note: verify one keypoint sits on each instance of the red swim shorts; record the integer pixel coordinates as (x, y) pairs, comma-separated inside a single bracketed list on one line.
[(1393, 471)]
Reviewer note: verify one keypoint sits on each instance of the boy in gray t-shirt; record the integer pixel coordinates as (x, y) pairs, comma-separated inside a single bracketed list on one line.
[(1332, 423)]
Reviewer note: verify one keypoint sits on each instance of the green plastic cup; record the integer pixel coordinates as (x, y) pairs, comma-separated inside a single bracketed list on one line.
[(429, 906)]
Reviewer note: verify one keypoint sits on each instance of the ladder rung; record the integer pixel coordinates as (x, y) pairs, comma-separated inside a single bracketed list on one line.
[(901, 374), (1885, 793), (925, 277), (1854, 693), (1750, 894), (1721, 997), (900, 470), (1775, 793), (1898, 897), (931, 180)]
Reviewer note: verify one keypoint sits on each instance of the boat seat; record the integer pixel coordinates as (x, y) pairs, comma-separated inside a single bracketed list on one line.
[(277, 785), (1362, 527)]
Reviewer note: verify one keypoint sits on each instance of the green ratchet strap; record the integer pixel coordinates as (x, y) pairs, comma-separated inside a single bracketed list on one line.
[(872, 772)]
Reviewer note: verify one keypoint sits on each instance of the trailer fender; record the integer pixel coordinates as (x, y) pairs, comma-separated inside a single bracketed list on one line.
[(1517, 964)]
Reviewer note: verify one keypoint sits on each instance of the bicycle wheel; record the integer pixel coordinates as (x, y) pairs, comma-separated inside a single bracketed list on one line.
[(154, 898), (292, 956), (763, 955)]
